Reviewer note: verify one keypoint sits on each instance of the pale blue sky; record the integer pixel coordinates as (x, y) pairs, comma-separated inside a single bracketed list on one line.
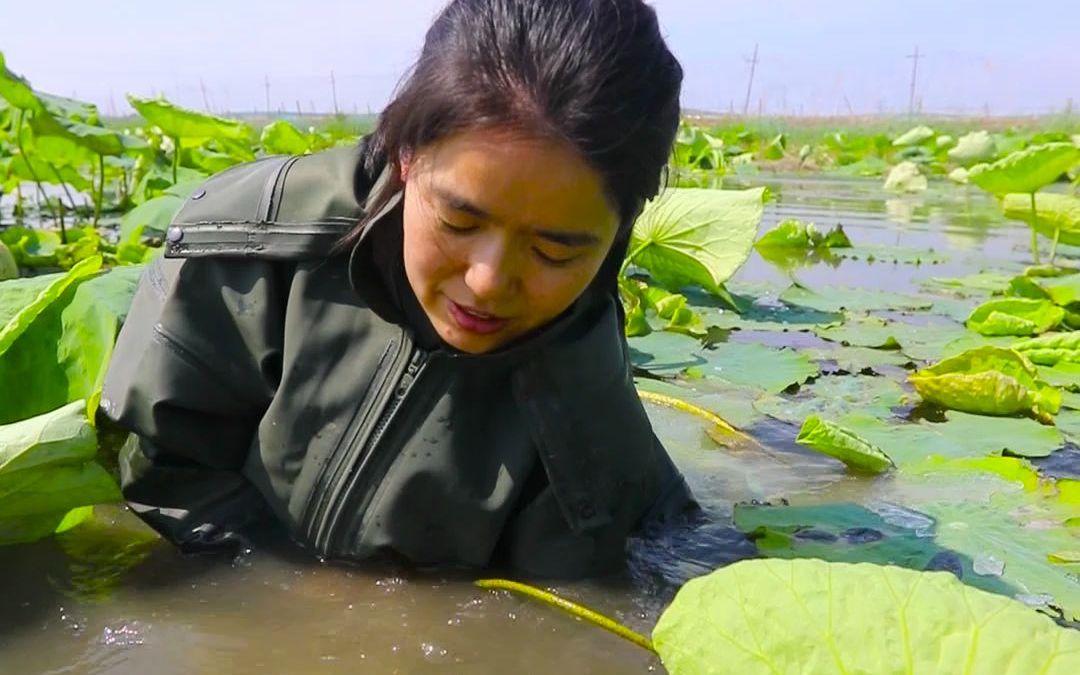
[(817, 56)]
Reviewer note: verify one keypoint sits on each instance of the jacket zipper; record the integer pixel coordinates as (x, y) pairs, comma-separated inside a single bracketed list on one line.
[(336, 474), (350, 476), (373, 464)]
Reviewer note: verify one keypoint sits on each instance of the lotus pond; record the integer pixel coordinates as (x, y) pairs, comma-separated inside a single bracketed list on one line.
[(873, 392)]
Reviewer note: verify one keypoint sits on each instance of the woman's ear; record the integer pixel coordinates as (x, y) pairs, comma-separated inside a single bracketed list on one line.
[(404, 164)]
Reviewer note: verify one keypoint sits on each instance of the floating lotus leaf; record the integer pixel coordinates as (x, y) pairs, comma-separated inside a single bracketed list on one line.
[(795, 234), (843, 444), (1053, 213), (1026, 171), (810, 616), (1015, 316), (978, 146), (696, 237), (987, 381), (905, 177), (839, 299), (833, 397)]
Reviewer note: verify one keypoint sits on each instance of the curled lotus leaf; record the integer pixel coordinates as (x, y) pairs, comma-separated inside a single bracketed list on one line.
[(1027, 170), (1054, 214), (978, 146), (1015, 316), (812, 616), (1050, 349), (843, 444), (987, 381), (905, 177), (8, 268), (180, 122), (914, 136)]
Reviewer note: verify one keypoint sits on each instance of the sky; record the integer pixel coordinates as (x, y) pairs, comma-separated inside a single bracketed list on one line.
[(821, 57)]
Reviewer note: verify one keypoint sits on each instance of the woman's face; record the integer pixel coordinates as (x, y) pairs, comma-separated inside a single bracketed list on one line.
[(502, 234)]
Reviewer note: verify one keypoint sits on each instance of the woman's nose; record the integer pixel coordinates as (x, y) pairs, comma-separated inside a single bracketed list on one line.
[(492, 273)]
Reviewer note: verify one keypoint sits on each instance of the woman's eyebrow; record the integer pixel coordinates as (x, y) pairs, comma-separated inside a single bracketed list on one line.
[(461, 204)]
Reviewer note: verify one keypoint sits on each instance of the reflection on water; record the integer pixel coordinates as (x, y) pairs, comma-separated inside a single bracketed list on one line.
[(111, 599)]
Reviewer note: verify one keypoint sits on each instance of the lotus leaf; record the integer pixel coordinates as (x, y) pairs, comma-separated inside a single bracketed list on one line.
[(281, 138), (833, 397), (1054, 213), (810, 616), (155, 214), (691, 236), (905, 177), (46, 470), (16, 90), (987, 381), (914, 136), (978, 146), (9, 269), (1050, 349), (959, 176), (757, 365), (1015, 316), (845, 445), (972, 285), (1026, 171), (862, 332), (793, 233), (180, 122), (839, 299)]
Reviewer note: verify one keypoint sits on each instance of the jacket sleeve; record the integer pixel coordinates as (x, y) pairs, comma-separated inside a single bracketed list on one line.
[(194, 368), (608, 475)]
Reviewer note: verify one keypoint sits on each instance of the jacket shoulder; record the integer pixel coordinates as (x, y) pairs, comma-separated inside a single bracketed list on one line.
[(279, 207)]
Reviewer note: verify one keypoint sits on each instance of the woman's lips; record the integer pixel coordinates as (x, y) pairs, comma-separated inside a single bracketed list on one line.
[(474, 321)]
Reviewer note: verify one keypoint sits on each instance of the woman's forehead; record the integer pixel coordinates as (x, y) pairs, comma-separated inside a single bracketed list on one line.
[(516, 180)]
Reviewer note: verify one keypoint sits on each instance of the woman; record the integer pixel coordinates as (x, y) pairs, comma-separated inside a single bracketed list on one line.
[(416, 346)]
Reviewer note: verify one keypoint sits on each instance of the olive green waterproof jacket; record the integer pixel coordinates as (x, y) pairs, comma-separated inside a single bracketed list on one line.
[(261, 371)]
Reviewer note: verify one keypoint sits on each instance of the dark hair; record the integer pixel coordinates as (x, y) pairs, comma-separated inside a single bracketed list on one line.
[(595, 73)]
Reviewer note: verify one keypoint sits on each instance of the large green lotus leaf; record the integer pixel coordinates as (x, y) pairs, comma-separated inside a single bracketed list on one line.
[(1027, 170), (733, 403), (30, 168), (990, 532), (810, 616), (978, 146), (856, 359), (1050, 349), (882, 533), (757, 365), (180, 122), (845, 445), (1054, 212), (905, 177), (840, 299), (689, 236), (16, 90), (666, 353), (1063, 290), (282, 138), (896, 255), (1015, 316), (49, 289), (766, 317), (862, 332), (987, 381), (97, 139), (914, 136), (46, 471), (980, 284), (833, 397), (1065, 375), (63, 350)]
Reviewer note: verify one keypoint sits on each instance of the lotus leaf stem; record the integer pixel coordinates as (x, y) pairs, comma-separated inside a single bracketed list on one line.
[(687, 407), (176, 159), (30, 167), (1034, 232), (579, 611), (101, 189)]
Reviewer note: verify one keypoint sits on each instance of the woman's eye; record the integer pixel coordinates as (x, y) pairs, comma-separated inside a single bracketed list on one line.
[(553, 261), (456, 229)]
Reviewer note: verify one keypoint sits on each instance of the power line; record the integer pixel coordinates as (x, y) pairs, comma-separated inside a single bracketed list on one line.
[(914, 76)]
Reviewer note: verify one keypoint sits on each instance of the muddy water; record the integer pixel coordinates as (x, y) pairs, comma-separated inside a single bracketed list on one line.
[(94, 601)]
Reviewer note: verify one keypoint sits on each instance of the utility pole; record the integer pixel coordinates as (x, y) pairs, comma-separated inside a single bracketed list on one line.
[(299, 112), (750, 84), (914, 76), (333, 90), (266, 85), (205, 101)]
